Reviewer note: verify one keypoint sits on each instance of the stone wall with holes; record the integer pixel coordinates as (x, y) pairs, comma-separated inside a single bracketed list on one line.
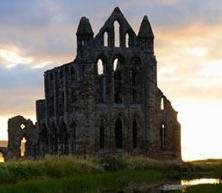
[(20, 129), (107, 100)]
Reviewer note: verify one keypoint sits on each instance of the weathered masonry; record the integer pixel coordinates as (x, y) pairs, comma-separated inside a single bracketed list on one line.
[(107, 100)]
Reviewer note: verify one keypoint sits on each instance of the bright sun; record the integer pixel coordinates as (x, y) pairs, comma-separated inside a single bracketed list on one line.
[(201, 134)]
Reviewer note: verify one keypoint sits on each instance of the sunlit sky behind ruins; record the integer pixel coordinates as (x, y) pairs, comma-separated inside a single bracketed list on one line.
[(38, 35)]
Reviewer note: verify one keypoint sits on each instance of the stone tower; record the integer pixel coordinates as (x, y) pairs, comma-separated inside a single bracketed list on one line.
[(107, 100)]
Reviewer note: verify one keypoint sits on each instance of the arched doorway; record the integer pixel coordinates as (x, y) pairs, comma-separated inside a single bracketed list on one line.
[(23, 147), (118, 134), (2, 159)]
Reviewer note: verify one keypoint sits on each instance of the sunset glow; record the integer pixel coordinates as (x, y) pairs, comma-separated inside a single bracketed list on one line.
[(12, 58), (187, 45)]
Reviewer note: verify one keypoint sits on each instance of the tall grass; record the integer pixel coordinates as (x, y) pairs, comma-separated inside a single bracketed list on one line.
[(72, 174), (50, 167), (111, 181)]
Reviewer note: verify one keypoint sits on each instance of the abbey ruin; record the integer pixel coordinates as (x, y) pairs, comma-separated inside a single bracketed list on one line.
[(105, 101)]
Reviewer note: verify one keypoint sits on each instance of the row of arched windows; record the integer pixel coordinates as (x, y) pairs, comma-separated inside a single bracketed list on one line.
[(134, 80), (118, 131), (116, 27)]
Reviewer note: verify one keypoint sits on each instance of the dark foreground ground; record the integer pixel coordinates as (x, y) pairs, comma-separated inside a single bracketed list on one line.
[(110, 174)]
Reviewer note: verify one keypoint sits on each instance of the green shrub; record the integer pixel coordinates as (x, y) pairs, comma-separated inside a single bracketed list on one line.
[(5, 175), (112, 164)]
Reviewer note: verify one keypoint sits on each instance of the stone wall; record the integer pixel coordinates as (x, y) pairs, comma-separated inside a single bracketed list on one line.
[(20, 128), (106, 101)]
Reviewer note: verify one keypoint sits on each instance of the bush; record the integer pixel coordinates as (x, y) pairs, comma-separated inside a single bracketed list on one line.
[(5, 176), (112, 164)]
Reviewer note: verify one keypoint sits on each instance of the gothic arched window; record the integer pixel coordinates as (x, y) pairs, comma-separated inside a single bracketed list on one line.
[(117, 81), (23, 147), (118, 134), (105, 39), (162, 136), (162, 103), (100, 67), (101, 81), (101, 137), (116, 34), (134, 132), (127, 40)]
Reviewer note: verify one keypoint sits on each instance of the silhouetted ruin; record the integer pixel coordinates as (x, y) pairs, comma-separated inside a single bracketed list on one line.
[(106, 101)]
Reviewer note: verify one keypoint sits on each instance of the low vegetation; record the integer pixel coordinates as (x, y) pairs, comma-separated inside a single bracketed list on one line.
[(90, 174), (204, 188)]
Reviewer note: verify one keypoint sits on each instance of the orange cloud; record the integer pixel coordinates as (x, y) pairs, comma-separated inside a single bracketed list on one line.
[(189, 61)]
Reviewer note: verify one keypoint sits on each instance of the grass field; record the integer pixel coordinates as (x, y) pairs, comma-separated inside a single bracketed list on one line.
[(91, 174)]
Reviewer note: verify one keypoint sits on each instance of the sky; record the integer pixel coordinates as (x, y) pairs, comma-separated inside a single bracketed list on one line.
[(39, 35)]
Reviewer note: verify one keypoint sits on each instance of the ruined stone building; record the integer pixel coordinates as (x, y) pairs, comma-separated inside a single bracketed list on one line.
[(106, 100)]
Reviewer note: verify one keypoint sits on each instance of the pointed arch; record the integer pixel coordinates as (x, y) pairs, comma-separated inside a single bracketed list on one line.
[(119, 134), (101, 81), (105, 39), (100, 67), (118, 66), (116, 26), (134, 133), (23, 146), (163, 136), (162, 103), (115, 64), (127, 40), (2, 158), (101, 136)]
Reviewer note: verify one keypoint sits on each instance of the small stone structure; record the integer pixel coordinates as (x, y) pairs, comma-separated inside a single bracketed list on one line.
[(106, 101), (19, 128)]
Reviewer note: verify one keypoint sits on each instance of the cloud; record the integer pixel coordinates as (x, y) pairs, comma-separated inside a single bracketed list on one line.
[(11, 57), (190, 62), (38, 35), (20, 86)]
